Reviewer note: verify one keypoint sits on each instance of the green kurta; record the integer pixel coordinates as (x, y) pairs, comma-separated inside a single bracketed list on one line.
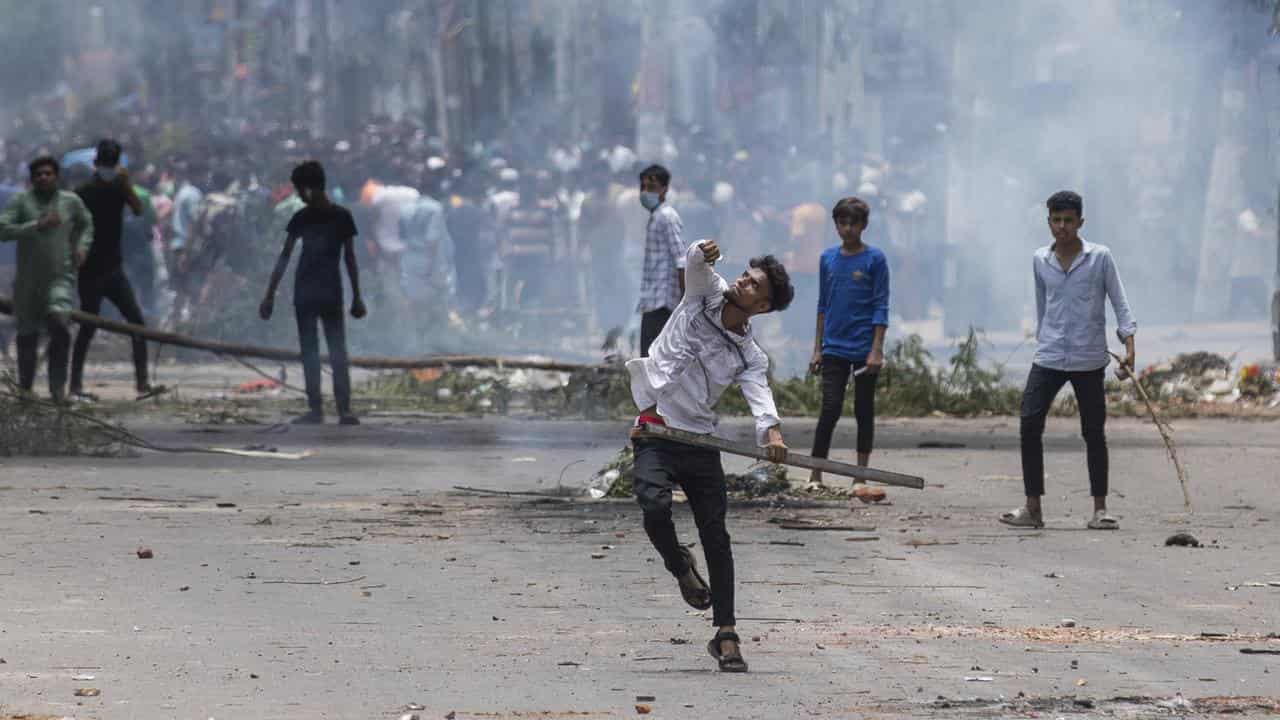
[(45, 283)]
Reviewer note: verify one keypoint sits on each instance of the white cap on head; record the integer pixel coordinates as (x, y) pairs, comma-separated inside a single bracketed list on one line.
[(435, 162)]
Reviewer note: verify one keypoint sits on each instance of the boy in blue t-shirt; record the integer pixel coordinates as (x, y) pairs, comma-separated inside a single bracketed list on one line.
[(853, 314)]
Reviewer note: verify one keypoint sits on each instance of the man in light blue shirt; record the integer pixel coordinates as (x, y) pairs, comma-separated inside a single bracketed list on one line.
[(1074, 279)]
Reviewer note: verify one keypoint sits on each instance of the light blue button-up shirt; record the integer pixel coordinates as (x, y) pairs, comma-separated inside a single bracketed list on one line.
[(1071, 315)]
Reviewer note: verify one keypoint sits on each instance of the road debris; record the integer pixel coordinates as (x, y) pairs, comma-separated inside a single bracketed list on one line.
[(643, 709), (144, 553), (313, 582), (868, 494), (87, 692), (1182, 540), (1067, 623)]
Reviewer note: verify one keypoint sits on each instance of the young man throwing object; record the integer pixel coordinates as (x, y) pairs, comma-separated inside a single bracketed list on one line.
[(704, 347)]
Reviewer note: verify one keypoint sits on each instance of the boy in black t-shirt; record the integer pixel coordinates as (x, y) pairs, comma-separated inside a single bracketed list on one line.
[(102, 276), (327, 231)]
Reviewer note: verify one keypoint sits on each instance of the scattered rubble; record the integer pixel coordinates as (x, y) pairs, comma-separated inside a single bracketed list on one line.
[(1182, 540), (1193, 379)]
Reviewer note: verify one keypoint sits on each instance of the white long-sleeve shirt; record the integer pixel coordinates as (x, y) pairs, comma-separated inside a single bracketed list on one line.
[(695, 359), (1071, 311)]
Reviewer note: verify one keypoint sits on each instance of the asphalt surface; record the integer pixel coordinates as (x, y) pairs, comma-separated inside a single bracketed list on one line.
[(357, 583)]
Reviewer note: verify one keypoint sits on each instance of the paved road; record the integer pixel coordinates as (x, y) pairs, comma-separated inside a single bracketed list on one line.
[(494, 606)]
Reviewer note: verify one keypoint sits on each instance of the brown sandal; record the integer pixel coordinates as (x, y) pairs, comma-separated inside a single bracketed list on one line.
[(699, 598), (729, 662)]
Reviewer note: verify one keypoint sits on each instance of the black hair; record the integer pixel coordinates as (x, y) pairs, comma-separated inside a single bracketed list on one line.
[(1065, 200), (42, 161), (781, 293), (853, 208), (309, 174), (657, 172), (108, 154)]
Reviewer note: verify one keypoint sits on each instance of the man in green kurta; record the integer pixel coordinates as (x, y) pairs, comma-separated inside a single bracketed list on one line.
[(53, 230)]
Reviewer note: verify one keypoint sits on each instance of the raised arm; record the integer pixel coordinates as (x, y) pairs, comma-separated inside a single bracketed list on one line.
[(700, 279), (130, 195)]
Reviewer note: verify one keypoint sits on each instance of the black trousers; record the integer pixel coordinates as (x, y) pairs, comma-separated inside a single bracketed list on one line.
[(835, 378), (110, 285), (335, 337), (651, 324), (29, 351), (1043, 385), (660, 465)]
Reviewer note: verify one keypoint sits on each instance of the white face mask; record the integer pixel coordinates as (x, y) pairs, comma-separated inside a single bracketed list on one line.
[(650, 200), (105, 173)]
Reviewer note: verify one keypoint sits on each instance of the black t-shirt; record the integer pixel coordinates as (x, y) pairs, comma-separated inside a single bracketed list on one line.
[(106, 203), (323, 231)]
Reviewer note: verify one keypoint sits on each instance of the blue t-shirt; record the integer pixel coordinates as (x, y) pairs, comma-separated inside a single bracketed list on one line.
[(853, 296)]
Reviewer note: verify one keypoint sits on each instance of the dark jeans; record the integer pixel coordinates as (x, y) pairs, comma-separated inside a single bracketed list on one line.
[(335, 337), (29, 350), (835, 378), (651, 324), (1043, 385), (660, 465), (110, 285)]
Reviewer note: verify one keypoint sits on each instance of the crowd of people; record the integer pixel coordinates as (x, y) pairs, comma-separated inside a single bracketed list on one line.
[(466, 239)]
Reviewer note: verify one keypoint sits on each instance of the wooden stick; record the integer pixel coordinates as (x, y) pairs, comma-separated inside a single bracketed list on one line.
[(368, 362), (795, 459), (313, 582), (1166, 431)]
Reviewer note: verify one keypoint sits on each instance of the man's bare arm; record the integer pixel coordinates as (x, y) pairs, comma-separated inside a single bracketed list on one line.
[(353, 273), (815, 363), (282, 264)]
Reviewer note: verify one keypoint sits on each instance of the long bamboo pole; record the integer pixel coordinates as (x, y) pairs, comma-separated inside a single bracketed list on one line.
[(267, 353)]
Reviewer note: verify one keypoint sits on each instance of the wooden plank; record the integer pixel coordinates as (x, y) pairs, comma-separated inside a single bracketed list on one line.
[(794, 459)]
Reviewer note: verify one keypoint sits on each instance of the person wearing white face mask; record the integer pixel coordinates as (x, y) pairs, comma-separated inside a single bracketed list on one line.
[(662, 284)]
